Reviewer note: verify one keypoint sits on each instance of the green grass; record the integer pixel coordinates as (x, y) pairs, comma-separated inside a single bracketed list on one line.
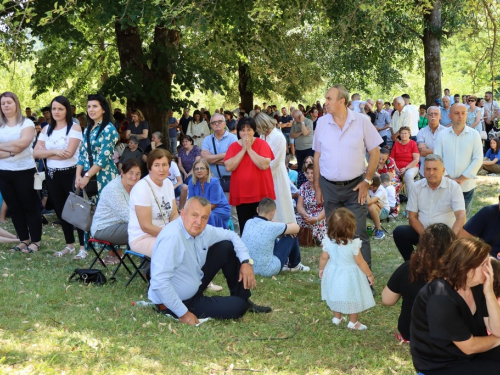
[(50, 326)]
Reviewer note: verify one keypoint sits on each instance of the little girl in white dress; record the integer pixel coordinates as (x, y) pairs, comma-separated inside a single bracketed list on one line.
[(343, 271)]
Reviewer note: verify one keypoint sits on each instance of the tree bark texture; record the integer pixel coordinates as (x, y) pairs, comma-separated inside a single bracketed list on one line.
[(245, 95), (151, 91), (432, 52)]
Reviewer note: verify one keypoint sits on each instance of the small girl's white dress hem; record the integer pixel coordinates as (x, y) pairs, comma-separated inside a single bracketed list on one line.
[(344, 286)]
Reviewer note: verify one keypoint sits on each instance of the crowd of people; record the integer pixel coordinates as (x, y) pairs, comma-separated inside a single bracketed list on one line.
[(225, 186)]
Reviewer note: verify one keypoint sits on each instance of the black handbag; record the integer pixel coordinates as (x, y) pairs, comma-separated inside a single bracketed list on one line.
[(88, 276), (91, 189), (225, 181)]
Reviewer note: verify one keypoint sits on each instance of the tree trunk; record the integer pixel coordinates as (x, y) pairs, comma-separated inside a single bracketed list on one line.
[(152, 91), (432, 53), (246, 96)]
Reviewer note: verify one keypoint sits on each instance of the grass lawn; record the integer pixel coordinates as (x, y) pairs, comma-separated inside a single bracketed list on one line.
[(50, 326)]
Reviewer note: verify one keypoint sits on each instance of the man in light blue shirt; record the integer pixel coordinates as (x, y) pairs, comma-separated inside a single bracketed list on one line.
[(187, 255), (445, 112), (213, 150), (461, 148)]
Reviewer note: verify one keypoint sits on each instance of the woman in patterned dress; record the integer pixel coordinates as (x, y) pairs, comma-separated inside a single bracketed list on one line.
[(310, 214), (103, 137)]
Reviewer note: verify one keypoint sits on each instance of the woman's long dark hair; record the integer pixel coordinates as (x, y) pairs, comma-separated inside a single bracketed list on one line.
[(69, 118), (433, 243), (496, 149), (106, 117)]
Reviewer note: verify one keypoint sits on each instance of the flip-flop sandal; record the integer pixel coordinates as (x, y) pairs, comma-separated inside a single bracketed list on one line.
[(30, 250), (17, 248), (111, 260), (62, 253)]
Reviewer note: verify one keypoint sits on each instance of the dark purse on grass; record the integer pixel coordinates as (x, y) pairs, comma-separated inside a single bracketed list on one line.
[(225, 181), (88, 276), (91, 187), (305, 237)]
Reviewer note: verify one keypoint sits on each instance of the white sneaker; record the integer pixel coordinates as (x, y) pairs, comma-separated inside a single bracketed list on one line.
[(337, 321), (300, 267), (352, 326), (285, 268), (214, 288)]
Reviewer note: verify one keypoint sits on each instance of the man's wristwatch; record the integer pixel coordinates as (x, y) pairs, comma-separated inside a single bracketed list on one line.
[(249, 261), (369, 182)]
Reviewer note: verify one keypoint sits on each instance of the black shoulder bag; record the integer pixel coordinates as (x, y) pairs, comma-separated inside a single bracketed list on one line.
[(89, 276), (225, 181)]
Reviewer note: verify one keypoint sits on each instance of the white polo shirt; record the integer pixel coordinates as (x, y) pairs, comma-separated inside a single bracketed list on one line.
[(438, 205)]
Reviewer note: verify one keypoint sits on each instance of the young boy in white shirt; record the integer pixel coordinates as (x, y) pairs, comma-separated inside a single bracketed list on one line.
[(392, 197), (378, 206)]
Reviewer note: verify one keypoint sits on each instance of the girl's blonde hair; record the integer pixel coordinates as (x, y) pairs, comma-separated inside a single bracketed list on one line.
[(341, 226), (19, 113), (205, 164)]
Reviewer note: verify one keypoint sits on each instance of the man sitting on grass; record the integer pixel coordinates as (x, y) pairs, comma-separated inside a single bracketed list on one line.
[(187, 255), (270, 255), (378, 206)]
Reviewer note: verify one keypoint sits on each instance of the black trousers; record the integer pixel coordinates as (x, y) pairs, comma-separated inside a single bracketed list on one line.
[(21, 198), (301, 155), (405, 238), (245, 212), (59, 187), (220, 256)]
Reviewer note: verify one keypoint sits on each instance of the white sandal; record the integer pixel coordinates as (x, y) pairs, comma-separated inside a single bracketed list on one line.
[(82, 254), (214, 288), (352, 326), (337, 321), (62, 253)]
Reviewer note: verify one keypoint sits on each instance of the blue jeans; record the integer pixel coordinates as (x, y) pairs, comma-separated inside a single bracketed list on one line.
[(286, 249), (468, 201)]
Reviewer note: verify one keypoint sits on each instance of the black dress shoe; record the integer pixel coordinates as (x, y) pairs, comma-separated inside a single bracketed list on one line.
[(252, 307)]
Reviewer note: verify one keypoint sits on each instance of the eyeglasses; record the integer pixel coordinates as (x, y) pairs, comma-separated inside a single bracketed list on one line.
[(433, 114), (217, 122), (199, 169)]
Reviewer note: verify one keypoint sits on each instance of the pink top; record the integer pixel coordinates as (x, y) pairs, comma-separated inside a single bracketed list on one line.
[(343, 151)]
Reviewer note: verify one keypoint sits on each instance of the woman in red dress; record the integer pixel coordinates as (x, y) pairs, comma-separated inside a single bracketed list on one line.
[(248, 161)]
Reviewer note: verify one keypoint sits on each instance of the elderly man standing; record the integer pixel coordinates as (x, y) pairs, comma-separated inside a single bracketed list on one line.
[(445, 112), (402, 116), (383, 121), (427, 136), (432, 200), (341, 178), (187, 255), (461, 148), (213, 150), (302, 133)]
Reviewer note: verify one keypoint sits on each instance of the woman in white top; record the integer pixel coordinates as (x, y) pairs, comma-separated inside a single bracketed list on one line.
[(276, 140), (59, 143), (198, 129), (152, 203), (17, 171)]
